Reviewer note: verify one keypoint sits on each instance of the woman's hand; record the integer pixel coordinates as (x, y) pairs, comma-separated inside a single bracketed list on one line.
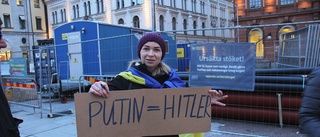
[(217, 96), (100, 89)]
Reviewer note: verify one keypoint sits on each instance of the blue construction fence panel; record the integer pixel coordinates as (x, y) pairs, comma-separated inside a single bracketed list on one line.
[(119, 48), (183, 55), (88, 44), (116, 48), (171, 53), (105, 49)]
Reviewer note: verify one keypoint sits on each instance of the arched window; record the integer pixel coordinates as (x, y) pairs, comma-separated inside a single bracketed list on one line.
[(174, 24), (203, 26), (65, 15), (53, 20), (255, 36), (78, 11), (98, 6), (194, 27), (56, 16), (121, 21), (89, 8), (101, 5), (118, 4), (185, 26), (61, 13), (74, 12), (161, 23), (285, 29), (85, 8), (136, 23)]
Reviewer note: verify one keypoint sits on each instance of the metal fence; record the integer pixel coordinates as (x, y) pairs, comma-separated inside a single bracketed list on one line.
[(276, 98), (21, 91), (300, 48)]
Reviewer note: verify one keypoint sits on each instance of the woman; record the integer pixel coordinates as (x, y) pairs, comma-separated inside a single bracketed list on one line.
[(148, 72), (309, 113)]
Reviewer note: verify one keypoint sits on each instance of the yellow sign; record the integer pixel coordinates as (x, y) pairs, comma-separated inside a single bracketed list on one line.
[(64, 36), (180, 52)]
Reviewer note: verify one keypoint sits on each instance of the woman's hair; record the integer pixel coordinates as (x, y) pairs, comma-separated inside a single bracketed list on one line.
[(162, 67)]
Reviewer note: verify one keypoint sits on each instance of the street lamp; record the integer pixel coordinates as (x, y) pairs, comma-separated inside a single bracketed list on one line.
[(268, 37)]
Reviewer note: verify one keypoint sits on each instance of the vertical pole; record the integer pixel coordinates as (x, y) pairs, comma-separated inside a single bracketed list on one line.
[(280, 109), (237, 22), (219, 17), (153, 12)]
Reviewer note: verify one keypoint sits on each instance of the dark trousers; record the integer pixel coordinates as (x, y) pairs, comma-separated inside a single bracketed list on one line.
[(8, 124)]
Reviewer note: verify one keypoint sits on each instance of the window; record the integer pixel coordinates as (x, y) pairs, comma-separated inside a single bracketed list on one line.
[(53, 19), (194, 27), (203, 26), (213, 10), (174, 24), (7, 21), (255, 36), (121, 21), (38, 23), (98, 6), (174, 3), (255, 4), (184, 4), (202, 7), (122, 3), (56, 16), (85, 9), (133, 2), (22, 22), (222, 12), (185, 26), (118, 4), (65, 15), (36, 3), (135, 21), (285, 29), (61, 13), (19, 2), (160, 2), (4, 2), (5, 55), (77, 11), (222, 25), (286, 2), (161, 23), (74, 12), (101, 5), (89, 8), (194, 5)]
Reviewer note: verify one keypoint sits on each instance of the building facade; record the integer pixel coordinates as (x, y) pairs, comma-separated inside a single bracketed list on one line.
[(271, 18), (189, 20), (24, 23)]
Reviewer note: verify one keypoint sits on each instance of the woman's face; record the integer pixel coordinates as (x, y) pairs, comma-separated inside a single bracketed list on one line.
[(151, 54)]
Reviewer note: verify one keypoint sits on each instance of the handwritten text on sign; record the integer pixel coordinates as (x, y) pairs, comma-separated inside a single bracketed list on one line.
[(144, 112)]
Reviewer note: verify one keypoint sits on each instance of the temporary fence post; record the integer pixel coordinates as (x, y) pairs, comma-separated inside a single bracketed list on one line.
[(280, 110)]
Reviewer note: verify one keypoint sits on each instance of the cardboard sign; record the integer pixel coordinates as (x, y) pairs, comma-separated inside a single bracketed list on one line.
[(144, 112)]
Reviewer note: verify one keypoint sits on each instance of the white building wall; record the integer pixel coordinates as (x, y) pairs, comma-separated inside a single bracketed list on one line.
[(14, 35), (143, 10)]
